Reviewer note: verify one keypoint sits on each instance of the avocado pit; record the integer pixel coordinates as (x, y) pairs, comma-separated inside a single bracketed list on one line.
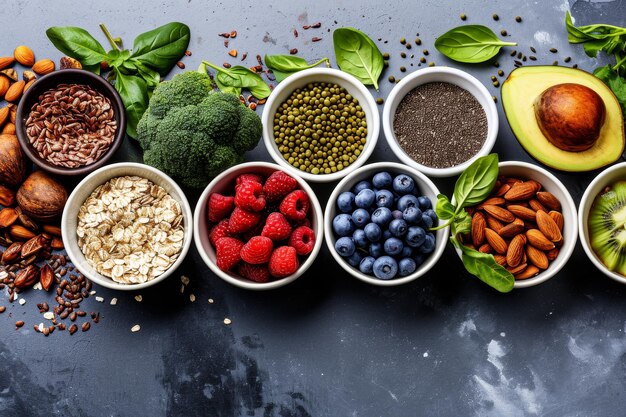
[(570, 116)]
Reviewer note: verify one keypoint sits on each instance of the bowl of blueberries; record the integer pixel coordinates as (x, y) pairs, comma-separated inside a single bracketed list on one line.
[(379, 224)]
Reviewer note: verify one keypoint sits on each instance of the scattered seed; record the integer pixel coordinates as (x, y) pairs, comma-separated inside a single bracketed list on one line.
[(252, 106), (496, 83), (233, 53), (306, 27), (379, 100), (418, 41), (138, 298), (503, 32), (113, 301), (495, 99), (211, 301), (100, 299), (188, 53), (575, 66), (513, 52), (233, 34), (392, 79), (408, 46), (2, 309), (518, 19), (225, 44), (519, 55), (567, 59), (533, 50), (386, 56), (85, 326), (500, 73), (532, 58), (19, 324), (425, 51), (73, 329), (316, 25), (180, 65), (48, 315), (224, 35), (316, 39), (463, 16), (403, 55), (135, 328), (554, 50), (293, 51), (226, 65), (295, 33), (244, 56), (192, 298), (524, 58), (493, 78), (22, 301), (555, 63), (423, 60), (402, 69), (402, 41), (227, 321), (431, 64), (495, 17)]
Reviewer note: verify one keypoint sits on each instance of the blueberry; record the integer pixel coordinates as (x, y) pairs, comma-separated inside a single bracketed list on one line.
[(387, 234), (359, 238), (367, 265), (396, 214), (385, 267), (381, 216), (365, 198), (373, 232), (360, 217), (427, 221), (362, 185), (429, 244), (345, 246), (345, 202), (393, 246), (342, 225), (412, 215), (419, 259), (406, 266), (382, 180), (376, 249), (406, 201), (425, 202), (406, 252), (384, 198), (403, 184), (398, 227), (415, 236), (354, 259), (431, 213)]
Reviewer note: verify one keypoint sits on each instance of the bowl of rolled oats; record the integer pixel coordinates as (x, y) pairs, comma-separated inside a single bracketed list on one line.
[(127, 226)]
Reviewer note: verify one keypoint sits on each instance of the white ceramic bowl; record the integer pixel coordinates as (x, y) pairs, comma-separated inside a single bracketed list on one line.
[(526, 171), (426, 187), (328, 75), (69, 220), (605, 178), (448, 75), (224, 183)]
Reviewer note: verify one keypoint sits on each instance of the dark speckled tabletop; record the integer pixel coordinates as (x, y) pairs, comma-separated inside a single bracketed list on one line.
[(328, 345)]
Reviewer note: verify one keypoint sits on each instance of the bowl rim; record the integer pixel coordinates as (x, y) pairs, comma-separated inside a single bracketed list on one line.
[(99, 84), (76, 253), (395, 97), (341, 78), (583, 217), (199, 212), (329, 237)]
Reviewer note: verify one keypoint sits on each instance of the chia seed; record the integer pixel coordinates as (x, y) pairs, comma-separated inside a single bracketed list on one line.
[(440, 125)]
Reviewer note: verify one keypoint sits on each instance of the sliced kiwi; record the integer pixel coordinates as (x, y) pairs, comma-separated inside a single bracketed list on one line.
[(607, 227)]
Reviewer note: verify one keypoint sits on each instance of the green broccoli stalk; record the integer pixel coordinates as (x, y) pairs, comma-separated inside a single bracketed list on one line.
[(193, 133)]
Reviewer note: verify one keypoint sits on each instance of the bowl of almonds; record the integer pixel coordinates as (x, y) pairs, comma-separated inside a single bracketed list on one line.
[(70, 122), (528, 223)]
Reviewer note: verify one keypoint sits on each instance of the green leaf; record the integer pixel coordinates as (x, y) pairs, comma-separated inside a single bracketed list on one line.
[(485, 267), (162, 47), (476, 182), (444, 208), (150, 76), (284, 65), (116, 58), (358, 55), (78, 44), (470, 44), (134, 93), (616, 83), (462, 224), (233, 80)]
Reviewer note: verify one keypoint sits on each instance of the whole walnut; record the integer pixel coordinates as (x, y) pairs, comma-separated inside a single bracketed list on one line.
[(12, 161), (41, 197)]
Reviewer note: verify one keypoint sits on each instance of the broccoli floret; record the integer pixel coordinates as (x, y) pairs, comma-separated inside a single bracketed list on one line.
[(192, 133)]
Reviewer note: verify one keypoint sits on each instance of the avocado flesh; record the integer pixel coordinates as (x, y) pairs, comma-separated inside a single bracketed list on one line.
[(607, 227), (519, 92)]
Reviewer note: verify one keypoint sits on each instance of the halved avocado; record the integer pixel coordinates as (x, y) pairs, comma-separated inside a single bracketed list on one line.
[(524, 88)]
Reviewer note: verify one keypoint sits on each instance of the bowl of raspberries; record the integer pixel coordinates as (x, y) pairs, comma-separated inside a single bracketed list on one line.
[(257, 226), (380, 224)]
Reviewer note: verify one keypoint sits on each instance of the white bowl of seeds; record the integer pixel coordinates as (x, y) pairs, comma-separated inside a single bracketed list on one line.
[(127, 226)]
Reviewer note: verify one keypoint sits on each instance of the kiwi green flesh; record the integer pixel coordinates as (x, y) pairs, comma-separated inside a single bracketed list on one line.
[(607, 227)]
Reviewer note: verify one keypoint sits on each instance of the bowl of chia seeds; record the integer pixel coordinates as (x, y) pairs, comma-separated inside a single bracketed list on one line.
[(439, 120), (320, 123)]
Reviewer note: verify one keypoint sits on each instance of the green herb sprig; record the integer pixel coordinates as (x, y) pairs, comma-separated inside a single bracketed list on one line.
[(358, 55), (472, 187), (234, 79), (284, 65), (470, 44), (135, 73)]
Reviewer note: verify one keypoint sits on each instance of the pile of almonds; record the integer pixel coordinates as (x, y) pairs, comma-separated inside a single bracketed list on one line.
[(520, 224)]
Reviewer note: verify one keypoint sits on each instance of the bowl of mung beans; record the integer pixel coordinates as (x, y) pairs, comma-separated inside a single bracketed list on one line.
[(321, 123)]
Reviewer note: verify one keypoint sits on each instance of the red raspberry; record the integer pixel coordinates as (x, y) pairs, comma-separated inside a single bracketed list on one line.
[(249, 196), (248, 177), (227, 251), (283, 262), (258, 250), (276, 227), (278, 185), (242, 220), (255, 231), (220, 206), (302, 239), (296, 205), (218, 231), (256, 273)]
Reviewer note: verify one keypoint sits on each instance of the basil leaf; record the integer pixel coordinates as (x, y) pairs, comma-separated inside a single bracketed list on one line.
[(470, 44), (284, 65), (358, 55), (151, 77), (233, 80), (77, 43), (616, 83), (485, 267), (476, 182), (444, 208), (162, 47), (461, 224), (134, 93), (116, 58)]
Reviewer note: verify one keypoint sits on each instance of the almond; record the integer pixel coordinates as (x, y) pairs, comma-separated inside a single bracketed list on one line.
[(493, 223), (522, 212), (552, 254), (537, 257), (6, 61), (536, 205), (4, 114), (512, 180), (56, 243), (529, 272), (539, 240), (511, 230), (478, 229), (515, 252), (13, 113), (536, 184), (516, 270), (495, 241), (12, 253), (558, 219), (485, 248), (8, 216), (43, 66), (26, 277), (7, 196), (520, 191), (24, 55), (20, 232), (52, 230), (548, 226), (500, 259), (493, 201), (5, 83), (502, 190), (15, 91), (8, 129), (46, 276), (519, 221), (28, 85), (549, 200), (499, 213)]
